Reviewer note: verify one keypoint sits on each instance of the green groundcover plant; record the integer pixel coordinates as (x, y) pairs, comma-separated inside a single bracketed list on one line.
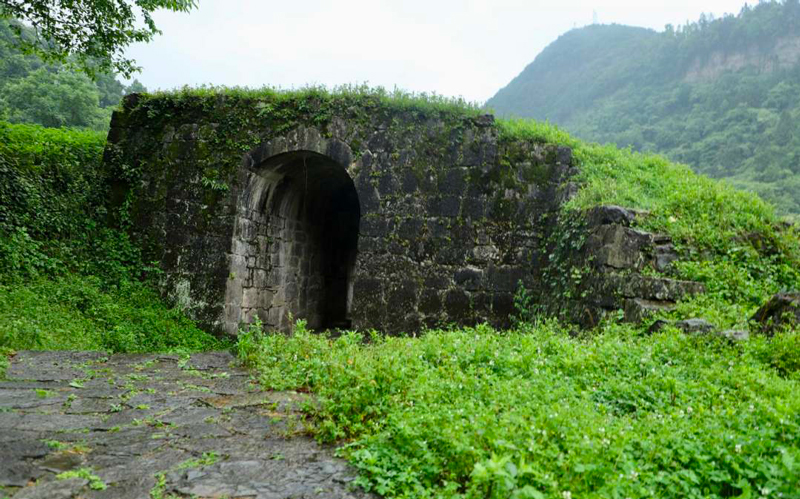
[(534, 413)]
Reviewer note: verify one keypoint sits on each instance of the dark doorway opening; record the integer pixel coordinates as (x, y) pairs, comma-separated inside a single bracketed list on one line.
[(299, 222)]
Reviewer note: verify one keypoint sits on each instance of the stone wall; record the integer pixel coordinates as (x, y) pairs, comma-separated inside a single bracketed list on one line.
[(618, 268), (340, 212)]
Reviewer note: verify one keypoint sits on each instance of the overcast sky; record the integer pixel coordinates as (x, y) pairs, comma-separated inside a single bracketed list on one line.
[(467, 48)]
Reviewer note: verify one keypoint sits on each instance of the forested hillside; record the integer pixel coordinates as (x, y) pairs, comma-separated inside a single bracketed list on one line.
[(53, 94), (720, 94)]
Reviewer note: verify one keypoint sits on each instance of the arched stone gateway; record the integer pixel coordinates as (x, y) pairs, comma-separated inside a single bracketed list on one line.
[(295, 240), (363, 213)]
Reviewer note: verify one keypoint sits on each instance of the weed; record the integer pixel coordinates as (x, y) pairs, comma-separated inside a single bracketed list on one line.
[(95, 482)]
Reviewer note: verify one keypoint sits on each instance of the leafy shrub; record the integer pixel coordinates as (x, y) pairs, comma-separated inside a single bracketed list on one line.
[(69, 279)]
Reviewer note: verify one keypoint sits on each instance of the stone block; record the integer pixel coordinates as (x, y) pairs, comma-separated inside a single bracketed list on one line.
[(649, 288), (638, 309), (608, 215), (505, 279), (474, 208), (450, 206), (782, 310), (502, 304), (457, 304), (618, 247), (250, 297), (260, 278), (437, 282), (469, 278), (388, 184), (485, 253), (453, 182), (688, 326), (366, 286), (409, 182), (410, 228), (430, 301), (665, 255), (374, 227)]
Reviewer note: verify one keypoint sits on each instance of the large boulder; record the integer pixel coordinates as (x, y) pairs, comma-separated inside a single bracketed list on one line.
[(780, 311)]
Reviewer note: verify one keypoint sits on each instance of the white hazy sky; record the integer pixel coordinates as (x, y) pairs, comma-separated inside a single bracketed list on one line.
[(467, 48)]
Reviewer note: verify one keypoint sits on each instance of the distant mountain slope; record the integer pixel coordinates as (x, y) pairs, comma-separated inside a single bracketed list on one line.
[(721, 95)]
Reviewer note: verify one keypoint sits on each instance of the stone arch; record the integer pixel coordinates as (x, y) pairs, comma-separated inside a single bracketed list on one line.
[(295, 237)]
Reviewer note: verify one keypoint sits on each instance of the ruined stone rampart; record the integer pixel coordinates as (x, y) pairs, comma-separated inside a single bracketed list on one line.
[(346, 213)]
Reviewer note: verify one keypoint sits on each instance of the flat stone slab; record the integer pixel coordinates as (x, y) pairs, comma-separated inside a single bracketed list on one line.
[(150, 424)]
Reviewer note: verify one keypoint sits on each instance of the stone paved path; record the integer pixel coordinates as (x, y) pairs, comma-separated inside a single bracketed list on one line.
[(155, 426)]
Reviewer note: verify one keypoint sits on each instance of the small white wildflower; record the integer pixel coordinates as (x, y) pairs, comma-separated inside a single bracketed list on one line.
[(738, 448), (566, 494), (689, 409)]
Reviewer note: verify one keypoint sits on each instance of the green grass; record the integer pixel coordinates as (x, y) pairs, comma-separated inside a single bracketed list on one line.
[(397, 100), (532, 413), (79, 313), (95, 482)]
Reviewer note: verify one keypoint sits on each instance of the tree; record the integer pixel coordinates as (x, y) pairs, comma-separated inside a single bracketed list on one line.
[(55, 99), (111, 90), (92, 32), (135, 87)]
